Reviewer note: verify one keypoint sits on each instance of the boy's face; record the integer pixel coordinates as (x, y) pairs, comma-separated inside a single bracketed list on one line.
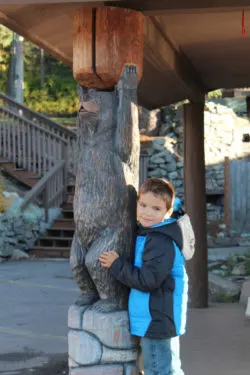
[(151, 209)]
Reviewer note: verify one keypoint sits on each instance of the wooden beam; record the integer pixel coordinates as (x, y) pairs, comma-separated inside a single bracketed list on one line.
[(149, 7), (34, 16), (195, 200), (13, 25), (227, 193), (37, 2), (159, 51), (104, 41)]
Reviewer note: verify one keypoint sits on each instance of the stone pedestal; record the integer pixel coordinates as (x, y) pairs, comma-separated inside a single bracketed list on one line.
[(100, 343)]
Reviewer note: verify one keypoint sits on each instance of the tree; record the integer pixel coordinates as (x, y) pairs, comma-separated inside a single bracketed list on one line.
[(6, 37), (49, 86)]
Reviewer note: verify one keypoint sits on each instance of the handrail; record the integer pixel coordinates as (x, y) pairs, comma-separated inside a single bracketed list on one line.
[(53, 180), (39, 122), (51, 123), (40, 145), (34, 125), (31, 146)]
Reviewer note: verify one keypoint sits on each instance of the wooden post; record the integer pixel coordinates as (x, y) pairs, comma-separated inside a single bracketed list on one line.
[(104, 41), (46, 203), (195, 200), (248, 106), (227, 193), (65, 170)]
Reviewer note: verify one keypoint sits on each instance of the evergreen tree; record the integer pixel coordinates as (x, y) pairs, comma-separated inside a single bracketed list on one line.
[(49, 88)]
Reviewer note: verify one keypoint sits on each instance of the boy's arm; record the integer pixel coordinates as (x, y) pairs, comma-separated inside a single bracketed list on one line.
[(157, 264)]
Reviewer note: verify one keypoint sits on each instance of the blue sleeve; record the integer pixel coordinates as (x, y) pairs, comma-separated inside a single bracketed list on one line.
[(158, 260)]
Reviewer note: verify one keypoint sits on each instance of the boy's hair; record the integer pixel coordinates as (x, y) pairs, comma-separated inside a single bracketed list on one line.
[(161, 188)]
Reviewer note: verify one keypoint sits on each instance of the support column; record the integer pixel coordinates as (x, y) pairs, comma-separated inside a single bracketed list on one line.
[(195, 200), (108, 56), (248, 106)]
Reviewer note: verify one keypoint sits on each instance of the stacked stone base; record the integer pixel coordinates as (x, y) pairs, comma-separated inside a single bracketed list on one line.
[(100, 343)]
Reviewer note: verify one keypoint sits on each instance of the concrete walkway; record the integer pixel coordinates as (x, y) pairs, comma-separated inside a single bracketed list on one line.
[(217, 341), (35, 296)]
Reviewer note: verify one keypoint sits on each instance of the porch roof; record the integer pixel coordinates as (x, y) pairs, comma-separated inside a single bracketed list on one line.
[(191, 46)]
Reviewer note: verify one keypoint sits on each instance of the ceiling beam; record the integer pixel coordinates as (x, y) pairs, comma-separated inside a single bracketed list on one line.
[(160, 52), (13, 25), (37, 2), (149, 7)]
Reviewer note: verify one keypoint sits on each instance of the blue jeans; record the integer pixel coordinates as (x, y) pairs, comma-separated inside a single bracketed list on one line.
[(161, 356)]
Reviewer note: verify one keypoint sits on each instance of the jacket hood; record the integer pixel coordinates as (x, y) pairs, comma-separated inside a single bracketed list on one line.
[(180, 231)]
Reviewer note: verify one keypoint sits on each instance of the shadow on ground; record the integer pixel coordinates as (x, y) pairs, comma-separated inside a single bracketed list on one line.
[(35, 297)]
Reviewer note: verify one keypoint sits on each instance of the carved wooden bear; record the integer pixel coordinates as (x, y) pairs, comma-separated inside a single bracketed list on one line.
[(106, 183)]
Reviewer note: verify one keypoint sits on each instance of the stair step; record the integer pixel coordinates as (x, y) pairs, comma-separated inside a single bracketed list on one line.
[(25, 177), (61, 232), (50, 252), (70, 198), (68, 214), (4, 161), (67, 206), (64, 223), (71, 189), (54, 241)]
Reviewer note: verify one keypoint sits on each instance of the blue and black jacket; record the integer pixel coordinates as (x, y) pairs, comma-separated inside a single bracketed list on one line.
[(158, 282)]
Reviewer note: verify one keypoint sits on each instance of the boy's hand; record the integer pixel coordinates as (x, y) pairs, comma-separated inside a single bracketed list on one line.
[(107, 259)]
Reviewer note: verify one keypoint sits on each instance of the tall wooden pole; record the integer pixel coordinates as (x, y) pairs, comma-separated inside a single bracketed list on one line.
[(248, 106), (16, 89), (195, 200)]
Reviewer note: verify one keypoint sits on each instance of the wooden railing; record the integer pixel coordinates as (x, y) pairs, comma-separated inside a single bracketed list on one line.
[(51, 188), (42, 122), (28, 145), (36, 143)]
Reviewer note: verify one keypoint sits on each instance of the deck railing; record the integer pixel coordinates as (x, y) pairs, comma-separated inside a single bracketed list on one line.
[(51, 188), (38, 121), (28, 145)]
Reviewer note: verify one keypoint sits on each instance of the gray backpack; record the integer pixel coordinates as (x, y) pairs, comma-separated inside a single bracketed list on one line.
[(188, 236)]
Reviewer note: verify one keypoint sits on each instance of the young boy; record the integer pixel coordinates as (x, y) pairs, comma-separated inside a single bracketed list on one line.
[(158, 280)]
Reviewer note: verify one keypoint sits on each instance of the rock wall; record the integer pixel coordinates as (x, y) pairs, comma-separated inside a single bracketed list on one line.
[(223, 137), (20, 230), (164, 161), (17, 234)]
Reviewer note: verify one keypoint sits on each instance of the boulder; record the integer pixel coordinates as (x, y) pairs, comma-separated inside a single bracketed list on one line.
[(18, 255), (245, 292), (219, 287)]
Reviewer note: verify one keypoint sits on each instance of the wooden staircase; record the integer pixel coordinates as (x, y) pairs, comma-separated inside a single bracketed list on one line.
[(26, 178), (57, 242), (41, 155)]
